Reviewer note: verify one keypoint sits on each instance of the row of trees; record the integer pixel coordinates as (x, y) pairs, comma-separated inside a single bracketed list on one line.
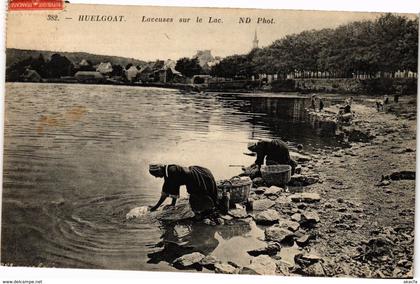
[(188, 67), (60, 66), (387, 44), (55, 67)]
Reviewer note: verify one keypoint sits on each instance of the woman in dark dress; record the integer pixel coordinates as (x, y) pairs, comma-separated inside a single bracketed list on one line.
[(275, 152), (199, 182)]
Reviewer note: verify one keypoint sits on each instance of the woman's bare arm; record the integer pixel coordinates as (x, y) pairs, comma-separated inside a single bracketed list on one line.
[(159, 203)]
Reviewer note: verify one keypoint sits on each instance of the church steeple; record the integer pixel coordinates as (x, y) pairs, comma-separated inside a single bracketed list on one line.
[(255, 41)]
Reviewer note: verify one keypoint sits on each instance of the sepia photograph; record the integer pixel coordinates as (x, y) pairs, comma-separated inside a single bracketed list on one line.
[(210, 140)]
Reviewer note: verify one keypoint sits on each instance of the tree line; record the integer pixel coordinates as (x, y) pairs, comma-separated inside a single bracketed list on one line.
[(387, 44), (55, 67)]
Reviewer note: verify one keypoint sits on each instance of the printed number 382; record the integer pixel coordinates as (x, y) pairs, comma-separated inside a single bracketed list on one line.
[(52, 17)]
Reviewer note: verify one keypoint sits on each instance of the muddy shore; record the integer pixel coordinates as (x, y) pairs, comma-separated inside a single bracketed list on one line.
[(366, 226), (349, 213)]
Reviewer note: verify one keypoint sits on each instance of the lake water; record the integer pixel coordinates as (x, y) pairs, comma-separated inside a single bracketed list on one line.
[(76, 161)]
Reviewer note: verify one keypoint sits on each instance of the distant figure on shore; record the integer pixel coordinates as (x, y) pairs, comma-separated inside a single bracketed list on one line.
[(347, 105), (386, 100), (321, 104), (349, 101), (396, 98), (379, 105), (275, 152), (313, 97), (199, 182)]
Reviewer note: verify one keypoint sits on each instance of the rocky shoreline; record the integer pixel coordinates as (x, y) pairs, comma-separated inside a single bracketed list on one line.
[(350, 212)]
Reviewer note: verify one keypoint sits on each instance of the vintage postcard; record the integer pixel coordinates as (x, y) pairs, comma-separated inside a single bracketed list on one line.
[(236, 141)]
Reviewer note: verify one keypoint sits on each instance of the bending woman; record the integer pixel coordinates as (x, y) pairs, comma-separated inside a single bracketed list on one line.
[(199, 182), (275, 152)]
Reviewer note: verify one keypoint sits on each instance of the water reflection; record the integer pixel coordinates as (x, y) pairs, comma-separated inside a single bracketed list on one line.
[(280, 115), (229, 242)]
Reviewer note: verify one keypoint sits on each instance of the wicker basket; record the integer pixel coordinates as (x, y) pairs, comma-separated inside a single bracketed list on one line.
[(278, 175), (238, 188)]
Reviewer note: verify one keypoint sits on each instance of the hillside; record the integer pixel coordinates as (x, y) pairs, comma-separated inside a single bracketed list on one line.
[(14, 55)]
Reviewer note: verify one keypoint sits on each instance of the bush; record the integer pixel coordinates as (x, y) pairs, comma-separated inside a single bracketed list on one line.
[(283, 85)]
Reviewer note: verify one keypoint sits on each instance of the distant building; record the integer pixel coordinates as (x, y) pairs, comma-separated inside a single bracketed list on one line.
[(89, 77), (166, 75), (204, 57), (158, 64), (201, 79), (84, 65), (216, 61), (255, 41), (31, 76), (131, 73), (169, 64), (146, 74), (104, 68)]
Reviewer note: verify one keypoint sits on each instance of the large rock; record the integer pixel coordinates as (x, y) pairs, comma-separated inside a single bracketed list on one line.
[(282, 199), (310, 217), (260, 190), (188, 260), (300, 158), (260, 265), (290, 225), (267, 217), (296, 217), (309, 220), (273, 190), (315, 270), (283, 267), (226, 217), (258, 181), (307, 197), (263, 204), (306, 259), (278, 234), (303, 180), (298, 169), (209, 262), (270, 249), (304, 240), (225, 268), (410, 175), (238, 212)]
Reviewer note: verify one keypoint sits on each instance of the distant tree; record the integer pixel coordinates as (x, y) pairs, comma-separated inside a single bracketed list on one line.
[(39, 65), (235, 66), (188, 67), (59, 66), (128, 66), (409, 47), (387, 44), (117, 70), (15, 71)]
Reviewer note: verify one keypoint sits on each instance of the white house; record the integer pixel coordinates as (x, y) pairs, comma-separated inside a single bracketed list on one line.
[(131, 73), (104, 68)]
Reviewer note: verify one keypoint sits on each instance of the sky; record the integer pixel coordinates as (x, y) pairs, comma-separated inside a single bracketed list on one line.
[(150, 41)]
